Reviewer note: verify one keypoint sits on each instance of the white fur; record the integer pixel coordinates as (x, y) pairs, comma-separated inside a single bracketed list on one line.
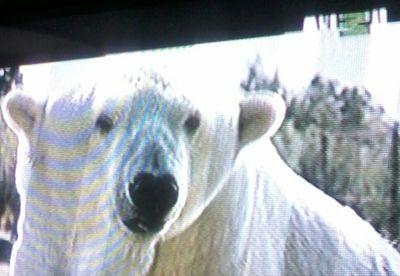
[(240, 211), (269, 221)]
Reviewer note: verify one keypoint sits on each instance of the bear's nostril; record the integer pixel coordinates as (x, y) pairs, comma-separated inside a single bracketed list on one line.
[(153, 197)]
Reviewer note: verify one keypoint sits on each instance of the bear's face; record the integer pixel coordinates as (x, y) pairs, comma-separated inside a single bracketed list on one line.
[(144, 163), (173, 160)]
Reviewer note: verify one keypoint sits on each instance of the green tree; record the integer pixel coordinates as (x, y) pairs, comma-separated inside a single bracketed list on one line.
[(394, 191)]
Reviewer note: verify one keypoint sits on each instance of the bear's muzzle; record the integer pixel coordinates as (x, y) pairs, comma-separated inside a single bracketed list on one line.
[(153, 198)]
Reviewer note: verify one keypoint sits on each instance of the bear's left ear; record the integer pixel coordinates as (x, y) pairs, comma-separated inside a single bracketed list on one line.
[(260, 115), (20, 112)]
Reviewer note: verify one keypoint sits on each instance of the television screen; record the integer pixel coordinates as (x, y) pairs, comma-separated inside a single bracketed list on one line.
[(274, 155)]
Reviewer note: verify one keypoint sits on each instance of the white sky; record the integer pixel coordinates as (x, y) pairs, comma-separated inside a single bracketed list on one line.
[(368, 60)]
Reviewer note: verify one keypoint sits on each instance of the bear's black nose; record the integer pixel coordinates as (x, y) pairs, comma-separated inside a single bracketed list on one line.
[(153, 198)]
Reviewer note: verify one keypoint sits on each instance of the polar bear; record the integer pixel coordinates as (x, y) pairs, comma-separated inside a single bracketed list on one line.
[(147, 181)]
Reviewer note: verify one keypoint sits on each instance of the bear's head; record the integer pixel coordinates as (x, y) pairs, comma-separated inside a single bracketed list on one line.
[(99, 176)]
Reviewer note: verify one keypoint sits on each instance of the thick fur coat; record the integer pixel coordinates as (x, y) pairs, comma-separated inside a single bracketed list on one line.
[(240, 209)]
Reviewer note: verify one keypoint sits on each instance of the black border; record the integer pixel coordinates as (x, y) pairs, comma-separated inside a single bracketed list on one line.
[(59, 30)]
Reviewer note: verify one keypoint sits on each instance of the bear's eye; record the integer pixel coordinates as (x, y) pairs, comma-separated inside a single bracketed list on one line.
[(104, 123), (192, 122)]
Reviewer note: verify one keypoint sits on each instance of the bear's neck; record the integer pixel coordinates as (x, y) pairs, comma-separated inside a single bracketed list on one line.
[(233, 231), (81, 235)]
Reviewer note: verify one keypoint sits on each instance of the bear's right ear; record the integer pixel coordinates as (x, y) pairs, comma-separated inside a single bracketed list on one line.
[(20, 112), (260, 115)]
